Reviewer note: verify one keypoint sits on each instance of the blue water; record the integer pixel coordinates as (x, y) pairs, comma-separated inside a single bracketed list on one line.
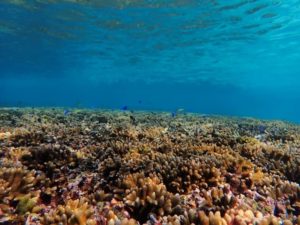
[(238, 57)]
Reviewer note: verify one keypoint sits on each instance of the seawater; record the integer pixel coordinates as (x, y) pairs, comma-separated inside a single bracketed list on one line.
[(213, 56)]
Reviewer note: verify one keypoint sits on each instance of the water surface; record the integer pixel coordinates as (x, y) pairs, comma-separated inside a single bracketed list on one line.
[(211, 56)]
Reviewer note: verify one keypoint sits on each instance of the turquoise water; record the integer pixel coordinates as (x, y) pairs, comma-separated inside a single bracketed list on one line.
[(211, 56)]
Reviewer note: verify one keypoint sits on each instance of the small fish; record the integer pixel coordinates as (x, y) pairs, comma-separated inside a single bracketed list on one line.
[(66, 112), (140, 101), (173, 114), (124, 108)]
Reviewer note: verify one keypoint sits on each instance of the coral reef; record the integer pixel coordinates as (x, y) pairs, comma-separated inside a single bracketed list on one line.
[(112, 167)]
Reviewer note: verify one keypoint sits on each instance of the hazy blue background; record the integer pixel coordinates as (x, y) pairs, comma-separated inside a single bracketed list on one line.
[(209, 56)]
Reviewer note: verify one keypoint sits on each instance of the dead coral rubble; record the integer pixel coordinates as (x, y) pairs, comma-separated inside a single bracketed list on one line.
[(108, 167)]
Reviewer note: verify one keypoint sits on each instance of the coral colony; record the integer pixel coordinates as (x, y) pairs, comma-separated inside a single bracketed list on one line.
[(98, 167)]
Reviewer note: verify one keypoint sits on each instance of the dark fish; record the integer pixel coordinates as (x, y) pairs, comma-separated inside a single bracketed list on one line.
[(140, 101), (173, 114), (124, 108)]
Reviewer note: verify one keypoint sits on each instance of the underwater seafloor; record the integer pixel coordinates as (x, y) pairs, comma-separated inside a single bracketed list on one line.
[(113, 167)]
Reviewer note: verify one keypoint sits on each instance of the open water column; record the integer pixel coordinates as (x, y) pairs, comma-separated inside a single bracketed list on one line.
[(215, 57), (155, 112)]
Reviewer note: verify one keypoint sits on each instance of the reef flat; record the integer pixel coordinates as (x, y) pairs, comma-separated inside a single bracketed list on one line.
[(112, 167)]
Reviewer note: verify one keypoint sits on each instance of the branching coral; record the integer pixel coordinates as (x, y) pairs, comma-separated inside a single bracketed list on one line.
[(16, 181), (147, 194), (51, 159), (75, 212)]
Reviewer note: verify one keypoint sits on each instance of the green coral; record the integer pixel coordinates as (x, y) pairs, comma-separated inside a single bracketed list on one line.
[(26, 204)]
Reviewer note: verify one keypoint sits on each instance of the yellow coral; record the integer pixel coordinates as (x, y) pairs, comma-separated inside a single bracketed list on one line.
[(257, 176)]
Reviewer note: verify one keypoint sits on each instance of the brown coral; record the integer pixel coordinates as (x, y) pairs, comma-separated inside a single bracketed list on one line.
[(147, 194), (15, 181), (76, 212)]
